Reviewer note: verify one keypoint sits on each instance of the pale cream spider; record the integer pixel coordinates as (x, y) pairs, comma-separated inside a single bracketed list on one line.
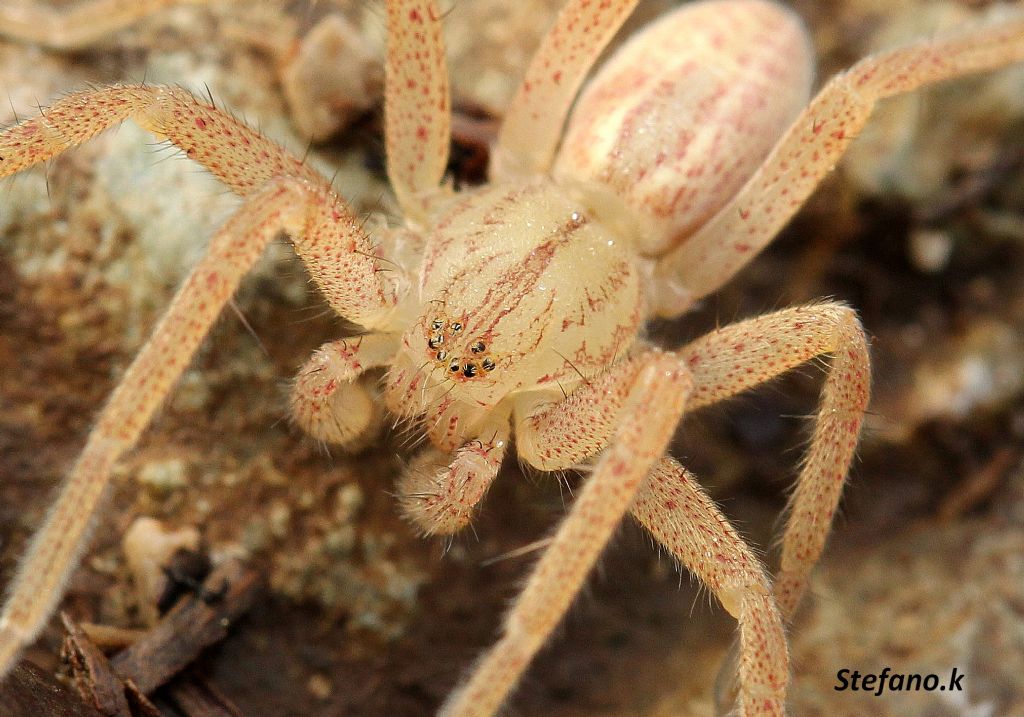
[(523, 302)]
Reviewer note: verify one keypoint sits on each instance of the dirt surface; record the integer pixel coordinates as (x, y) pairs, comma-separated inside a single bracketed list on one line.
[(922, 230)]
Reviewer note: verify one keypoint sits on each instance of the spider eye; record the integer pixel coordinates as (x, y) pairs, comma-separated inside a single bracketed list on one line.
[(469, 370), (435, 341), (456, 326), (453, 367), (442, 355), (436, 325), (478, 347), (487, 364)]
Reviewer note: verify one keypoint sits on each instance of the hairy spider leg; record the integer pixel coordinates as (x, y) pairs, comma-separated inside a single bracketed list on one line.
[(734, 359), (281, 195), (532, 127), (440, 492), (724, 363), (740, 356), (328, 402), (57, 546), (656, 400), (675, 509), (417, 107)]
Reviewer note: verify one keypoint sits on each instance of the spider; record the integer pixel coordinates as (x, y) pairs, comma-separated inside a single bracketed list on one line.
[(522, 303)]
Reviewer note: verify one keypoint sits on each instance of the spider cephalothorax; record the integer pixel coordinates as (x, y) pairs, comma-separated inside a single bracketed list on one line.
[(556, 298), (521, 304)]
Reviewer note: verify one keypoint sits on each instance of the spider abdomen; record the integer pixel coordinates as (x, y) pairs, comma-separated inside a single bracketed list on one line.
[(678, 119)]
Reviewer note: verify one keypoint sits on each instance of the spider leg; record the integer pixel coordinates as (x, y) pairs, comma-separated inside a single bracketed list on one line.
[(338, 253), (533, 124), (812, 146), (56, 547), (680, 515), (449, 425), (751, 352), (657, 397), (327, 401), (238, 155), (724, 363), (417, 106), (743, 355), (281, 195), (80, 25), (439, 492), (555, 435)]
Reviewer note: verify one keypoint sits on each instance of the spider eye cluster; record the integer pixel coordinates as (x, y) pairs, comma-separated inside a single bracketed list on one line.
[(441, 336)]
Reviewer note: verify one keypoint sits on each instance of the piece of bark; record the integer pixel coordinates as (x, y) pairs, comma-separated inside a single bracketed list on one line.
[(94, 680), (140, 704), (978, 487), (29, 691), (196, 697), (192, 626)]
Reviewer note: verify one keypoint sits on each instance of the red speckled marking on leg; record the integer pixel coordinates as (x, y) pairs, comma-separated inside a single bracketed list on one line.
[(680, 515), (533, 124), (239, 156), (563, 434), (417, 113), (56, 547), (746, 354), (656, 402)]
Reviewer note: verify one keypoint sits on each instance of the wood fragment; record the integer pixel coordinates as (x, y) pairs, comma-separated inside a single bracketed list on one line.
[(978, 487), (91, 672), (29, 691), (192, 626), (140, 704), (196, 697), (118, 687)]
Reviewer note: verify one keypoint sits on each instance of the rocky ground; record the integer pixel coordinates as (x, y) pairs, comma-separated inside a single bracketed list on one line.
[(921, 229)]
